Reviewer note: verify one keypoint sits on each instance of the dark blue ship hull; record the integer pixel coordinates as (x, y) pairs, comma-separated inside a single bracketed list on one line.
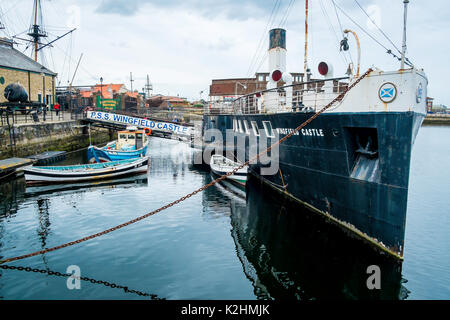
[(353, 168)]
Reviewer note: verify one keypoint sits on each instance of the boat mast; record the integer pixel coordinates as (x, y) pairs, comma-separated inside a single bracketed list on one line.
[(36, 38), (305, 63), (405, 6), (36, 32)]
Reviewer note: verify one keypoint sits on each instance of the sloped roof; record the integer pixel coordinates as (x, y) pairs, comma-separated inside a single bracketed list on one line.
[(12, 58), (132, 94), (85, 93), (108, 89)]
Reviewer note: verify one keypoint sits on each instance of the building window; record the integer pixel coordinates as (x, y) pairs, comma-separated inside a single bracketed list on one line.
[(247, 129), (255, 128), (268, 128)]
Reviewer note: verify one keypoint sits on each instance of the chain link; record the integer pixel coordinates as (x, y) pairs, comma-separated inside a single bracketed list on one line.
[(337, 99), (59, 274)]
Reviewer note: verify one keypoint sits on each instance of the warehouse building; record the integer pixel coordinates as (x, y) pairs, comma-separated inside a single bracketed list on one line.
[(16, 67)]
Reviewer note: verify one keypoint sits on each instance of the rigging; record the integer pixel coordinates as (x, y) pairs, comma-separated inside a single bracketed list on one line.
[(389, 51)]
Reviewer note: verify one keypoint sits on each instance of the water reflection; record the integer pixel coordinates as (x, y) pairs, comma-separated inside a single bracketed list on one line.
[(81, 187), (112, 285), (11, 194), (15, 192), (289, 253), (284, 252)]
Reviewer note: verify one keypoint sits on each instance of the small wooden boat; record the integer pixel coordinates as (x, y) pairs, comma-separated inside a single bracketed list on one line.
[(221, 165), (131, 143), (85, 172)]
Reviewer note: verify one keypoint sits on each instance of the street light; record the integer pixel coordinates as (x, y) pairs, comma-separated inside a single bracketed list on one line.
[(235, 88), (101, 92)]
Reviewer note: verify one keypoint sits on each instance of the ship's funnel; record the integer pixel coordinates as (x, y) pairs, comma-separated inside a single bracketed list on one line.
[(277, 53)]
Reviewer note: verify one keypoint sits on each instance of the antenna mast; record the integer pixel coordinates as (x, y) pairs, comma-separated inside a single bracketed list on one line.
[(405, 6), (131, 81)]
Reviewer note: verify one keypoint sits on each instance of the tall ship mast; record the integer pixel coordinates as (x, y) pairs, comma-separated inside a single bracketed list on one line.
[(37, 33), (350, 164)]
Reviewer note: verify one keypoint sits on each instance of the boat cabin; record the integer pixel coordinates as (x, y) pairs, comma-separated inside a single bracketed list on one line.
[(131, 139)]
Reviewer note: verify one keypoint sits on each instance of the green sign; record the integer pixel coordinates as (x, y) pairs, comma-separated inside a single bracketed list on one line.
[(108, 104)]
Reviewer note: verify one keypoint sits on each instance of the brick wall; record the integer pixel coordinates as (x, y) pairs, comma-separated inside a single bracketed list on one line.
[(35, 85)]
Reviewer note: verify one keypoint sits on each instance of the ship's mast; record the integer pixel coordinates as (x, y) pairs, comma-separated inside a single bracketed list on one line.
[(148, 87), (36, 32), (405, 6), (305, 62)]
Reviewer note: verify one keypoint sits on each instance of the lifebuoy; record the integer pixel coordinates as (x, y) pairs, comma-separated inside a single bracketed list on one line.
[(147, 131)]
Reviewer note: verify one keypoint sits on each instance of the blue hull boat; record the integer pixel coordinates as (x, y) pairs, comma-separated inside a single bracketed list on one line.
[(130, 144), (97, 155)]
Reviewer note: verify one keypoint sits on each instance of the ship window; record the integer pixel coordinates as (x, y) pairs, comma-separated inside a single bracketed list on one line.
[(268, 128), (247, 129), (235, 129), (255, 128), (131, 136), (123, 136), (241, 127)]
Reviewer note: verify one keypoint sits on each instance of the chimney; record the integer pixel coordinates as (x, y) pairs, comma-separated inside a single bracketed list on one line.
[(277, 55)]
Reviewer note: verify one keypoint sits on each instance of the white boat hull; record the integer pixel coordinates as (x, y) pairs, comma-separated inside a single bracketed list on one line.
[(221, 166), (35, 175)]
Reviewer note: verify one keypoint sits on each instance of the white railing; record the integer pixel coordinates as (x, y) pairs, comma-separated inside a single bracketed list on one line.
[(303, 97)]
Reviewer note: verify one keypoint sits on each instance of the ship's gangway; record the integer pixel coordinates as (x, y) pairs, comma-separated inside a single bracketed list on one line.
[(158, 127)]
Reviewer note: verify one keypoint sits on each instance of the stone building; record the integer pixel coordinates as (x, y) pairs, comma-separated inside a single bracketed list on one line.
[(15, 67)]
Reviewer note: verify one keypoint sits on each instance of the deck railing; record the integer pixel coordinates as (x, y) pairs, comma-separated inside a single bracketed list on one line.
[(299, 97)]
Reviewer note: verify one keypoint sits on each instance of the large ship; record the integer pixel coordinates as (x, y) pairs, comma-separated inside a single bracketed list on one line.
[(351, 164)]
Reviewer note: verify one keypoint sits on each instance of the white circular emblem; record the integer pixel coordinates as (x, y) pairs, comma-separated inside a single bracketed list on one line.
[(387, 92), (419, 93)]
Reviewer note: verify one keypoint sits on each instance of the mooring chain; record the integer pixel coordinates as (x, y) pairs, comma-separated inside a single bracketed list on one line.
[(70, 275), (338, 98)]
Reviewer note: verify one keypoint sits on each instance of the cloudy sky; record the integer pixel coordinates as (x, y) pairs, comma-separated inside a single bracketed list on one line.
[(182, 45)]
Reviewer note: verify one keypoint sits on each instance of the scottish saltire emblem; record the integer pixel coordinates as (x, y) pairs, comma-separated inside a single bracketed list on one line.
[(387, 92), (419, 93)]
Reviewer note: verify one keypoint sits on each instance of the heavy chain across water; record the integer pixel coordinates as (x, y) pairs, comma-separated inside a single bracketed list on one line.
[(337, 99), (69, 275)]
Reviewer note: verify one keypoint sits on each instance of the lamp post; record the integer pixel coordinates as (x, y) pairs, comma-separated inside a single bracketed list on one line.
[(235, 88), (43, 96), (101, 92)]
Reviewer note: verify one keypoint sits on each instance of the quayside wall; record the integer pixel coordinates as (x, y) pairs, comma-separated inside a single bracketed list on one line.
[(40, 137)]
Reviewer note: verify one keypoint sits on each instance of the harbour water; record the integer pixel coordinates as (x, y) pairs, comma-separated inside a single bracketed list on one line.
[(221, 243)]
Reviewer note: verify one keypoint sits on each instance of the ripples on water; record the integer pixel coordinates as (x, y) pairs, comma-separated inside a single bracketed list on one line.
[(219, 244)]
